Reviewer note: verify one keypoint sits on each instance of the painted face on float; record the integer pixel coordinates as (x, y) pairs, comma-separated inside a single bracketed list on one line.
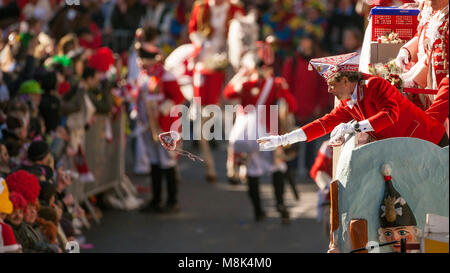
[(398, 233)]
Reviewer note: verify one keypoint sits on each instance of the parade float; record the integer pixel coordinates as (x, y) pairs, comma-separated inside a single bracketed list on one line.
[(390, 195)]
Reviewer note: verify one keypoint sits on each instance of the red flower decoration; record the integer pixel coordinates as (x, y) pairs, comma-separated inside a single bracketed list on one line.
[(24, 183)]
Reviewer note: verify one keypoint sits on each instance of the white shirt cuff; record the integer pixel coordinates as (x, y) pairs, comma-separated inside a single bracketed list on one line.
[(364, 126)]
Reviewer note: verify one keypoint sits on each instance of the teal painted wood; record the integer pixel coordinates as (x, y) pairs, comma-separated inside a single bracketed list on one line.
[(420, 173)]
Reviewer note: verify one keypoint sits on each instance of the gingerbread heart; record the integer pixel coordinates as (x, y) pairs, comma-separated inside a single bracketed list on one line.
[(169, 140)]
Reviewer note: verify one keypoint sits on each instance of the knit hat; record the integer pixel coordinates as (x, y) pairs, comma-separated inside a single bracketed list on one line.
[(18, 200), (327, 67), (394, 211), (102, 59), (6, 205), (38, 150), (30, 87), (47, 191), (24, 183)]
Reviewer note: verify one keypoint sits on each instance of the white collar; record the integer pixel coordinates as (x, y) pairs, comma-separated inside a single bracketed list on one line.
[(353, 98)]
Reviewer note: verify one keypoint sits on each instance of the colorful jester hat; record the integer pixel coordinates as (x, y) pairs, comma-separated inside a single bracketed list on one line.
[(394, 211), (327, 67)]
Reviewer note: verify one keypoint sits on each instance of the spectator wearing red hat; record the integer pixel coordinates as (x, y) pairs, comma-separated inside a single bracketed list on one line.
[(24, 193), (97, 87)]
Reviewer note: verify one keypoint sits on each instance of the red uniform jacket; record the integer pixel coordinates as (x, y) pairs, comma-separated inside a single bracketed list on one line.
[(252, 90), (169, 90), (308, 88), (388, 111), (200, 19)]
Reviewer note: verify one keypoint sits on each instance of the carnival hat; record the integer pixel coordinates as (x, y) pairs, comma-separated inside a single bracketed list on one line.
[(327, 67), (394, 211), (6, 206)]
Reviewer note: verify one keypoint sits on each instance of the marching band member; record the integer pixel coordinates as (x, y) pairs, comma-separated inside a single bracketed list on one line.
[(257, 88), (158, 93), (208, 31)]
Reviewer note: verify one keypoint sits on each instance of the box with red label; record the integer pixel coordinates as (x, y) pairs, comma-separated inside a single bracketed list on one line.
[(390, 19)]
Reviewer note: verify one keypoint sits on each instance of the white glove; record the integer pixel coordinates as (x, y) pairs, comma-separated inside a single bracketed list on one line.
[(271, 142), (402, 58), (337, 135)]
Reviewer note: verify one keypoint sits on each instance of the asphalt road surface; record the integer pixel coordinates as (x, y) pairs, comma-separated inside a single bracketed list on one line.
[(214, 218)]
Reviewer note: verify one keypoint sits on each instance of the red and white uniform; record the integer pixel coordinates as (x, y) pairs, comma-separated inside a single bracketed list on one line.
[(389, 113), (322, 170), (208, 31), (429, 48), (160, 86), (252, 90), (257, 92)]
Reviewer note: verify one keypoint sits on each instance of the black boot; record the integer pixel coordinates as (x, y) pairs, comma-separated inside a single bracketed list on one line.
[(253, 192), (278, 185), (156, 181), (172, 190)]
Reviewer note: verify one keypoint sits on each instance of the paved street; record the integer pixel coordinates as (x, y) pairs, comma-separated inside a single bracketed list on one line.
[(214, 218)]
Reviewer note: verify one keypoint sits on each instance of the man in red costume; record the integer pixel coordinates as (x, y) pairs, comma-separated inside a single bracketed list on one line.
[(378, 108), (208, 31)]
